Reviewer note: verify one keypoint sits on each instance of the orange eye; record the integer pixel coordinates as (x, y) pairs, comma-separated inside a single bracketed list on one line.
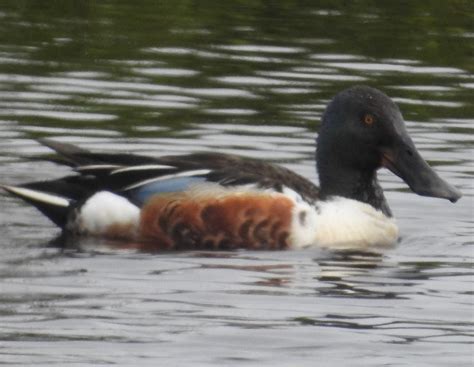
[(368, 119)]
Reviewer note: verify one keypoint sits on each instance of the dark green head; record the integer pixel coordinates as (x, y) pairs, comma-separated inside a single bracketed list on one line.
[(362, 130)]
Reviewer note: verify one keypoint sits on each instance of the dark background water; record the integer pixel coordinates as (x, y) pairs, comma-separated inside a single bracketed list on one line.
[(247, 77)]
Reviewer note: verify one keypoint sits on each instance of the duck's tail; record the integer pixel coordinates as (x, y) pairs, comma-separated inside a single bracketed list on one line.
[(54, 206), (55, 198)]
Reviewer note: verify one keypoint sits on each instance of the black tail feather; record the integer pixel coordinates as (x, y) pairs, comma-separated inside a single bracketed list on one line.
[(74, 188), (72, 155)]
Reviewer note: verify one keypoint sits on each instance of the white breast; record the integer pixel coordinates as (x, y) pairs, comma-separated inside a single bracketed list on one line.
[(341, 223)]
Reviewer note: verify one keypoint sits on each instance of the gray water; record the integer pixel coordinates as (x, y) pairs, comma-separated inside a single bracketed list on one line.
[(252, 78)]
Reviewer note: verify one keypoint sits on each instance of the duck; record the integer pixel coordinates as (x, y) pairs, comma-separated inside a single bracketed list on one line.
[(214, 201)]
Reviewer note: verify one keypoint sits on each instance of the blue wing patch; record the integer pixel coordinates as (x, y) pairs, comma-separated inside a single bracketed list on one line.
[(142, 194)]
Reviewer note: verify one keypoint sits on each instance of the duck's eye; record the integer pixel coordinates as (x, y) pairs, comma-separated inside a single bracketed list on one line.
[(368, 119)]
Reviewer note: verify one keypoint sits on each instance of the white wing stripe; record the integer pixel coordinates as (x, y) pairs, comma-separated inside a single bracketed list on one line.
[(198, 172), (97, 167), (141, 168)]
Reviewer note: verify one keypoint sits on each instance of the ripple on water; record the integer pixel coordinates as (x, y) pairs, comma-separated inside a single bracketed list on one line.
[(74, 85), (292, 90), (61, 131), (311, 76), (260, 49), (424, 88), (258, 81), (31, 96), (427, 102), (17, 61), (172, 72), (267, 130), (367, 66), (59, 115), (170, 50), (238, 56), (230, 111), (150, 103), (323, 56)]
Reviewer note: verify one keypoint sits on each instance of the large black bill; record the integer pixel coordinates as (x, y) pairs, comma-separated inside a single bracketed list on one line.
[(404, 160)]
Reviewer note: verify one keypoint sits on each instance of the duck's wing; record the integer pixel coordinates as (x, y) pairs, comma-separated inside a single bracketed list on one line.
[(233, 170), (138, 177)]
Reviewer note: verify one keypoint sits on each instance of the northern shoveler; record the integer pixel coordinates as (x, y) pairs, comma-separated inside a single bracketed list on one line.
[(221, 201)]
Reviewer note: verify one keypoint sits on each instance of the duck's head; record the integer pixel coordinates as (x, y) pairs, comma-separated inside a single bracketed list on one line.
[(362, 130)]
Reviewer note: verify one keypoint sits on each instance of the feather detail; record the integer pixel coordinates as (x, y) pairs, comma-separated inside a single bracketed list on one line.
[(220, 219)]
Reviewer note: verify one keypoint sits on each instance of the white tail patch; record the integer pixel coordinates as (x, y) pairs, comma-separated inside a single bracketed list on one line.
[(198, 172), (38, 196), (341, 223), (104, 212)]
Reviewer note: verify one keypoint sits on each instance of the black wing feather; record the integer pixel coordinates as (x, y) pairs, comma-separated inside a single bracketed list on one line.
[(226, 169)]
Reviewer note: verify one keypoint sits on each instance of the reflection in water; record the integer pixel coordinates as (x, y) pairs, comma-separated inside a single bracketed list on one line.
[(362, 276), (341, 271), (250, 78)]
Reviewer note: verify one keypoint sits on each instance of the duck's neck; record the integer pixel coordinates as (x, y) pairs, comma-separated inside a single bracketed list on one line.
[(353, 184)]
